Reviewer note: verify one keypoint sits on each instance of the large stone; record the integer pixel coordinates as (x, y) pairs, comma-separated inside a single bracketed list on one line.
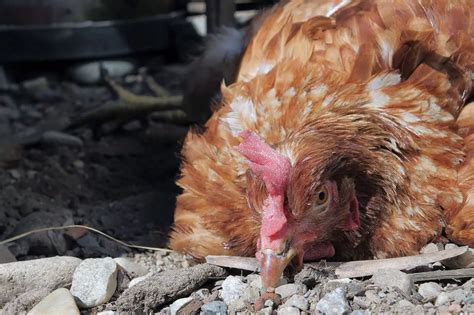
[(334, 303), (386, 278), (59, 302), (39, 274), (165, 287), (94, 281)]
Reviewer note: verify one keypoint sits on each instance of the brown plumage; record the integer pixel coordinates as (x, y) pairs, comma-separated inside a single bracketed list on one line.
[(366, 101)]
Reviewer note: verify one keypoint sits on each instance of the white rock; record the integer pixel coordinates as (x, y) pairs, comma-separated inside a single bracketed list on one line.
[(132, 268), (256, 281), (386, 278), (20, 277), (214, 308), (90, 72), (450, 246), (177, 305), (6, 255), (469, 284), (334, 303), (288, 311), (59, 302), (457, 295), (136, 280), (429, 290), (442, 299), (107, 313), (265, 311), (234, 289), (94, 281), (289, 289), (359, 312), (430, 248), (297, 301)]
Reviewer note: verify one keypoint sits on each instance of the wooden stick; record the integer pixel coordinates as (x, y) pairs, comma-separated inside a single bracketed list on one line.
[(354, 269), (244, 263), (443, 275), (363, 268)]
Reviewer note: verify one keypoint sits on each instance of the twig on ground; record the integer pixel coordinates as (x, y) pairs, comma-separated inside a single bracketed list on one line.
[(55, 228), (364, 268), (443, 275)]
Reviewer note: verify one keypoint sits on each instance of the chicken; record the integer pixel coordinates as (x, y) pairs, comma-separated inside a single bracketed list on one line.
[(348, 134)]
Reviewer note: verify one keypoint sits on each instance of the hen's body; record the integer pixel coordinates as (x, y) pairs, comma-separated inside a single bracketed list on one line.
[(372, 89)]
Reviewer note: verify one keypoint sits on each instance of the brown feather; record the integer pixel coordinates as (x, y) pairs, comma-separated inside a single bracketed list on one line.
[(368, 95)]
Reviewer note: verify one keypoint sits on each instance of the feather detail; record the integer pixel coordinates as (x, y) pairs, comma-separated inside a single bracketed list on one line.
[(366, 89)]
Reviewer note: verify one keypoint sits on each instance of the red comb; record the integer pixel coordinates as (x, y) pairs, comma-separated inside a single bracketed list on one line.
[(274, 169)]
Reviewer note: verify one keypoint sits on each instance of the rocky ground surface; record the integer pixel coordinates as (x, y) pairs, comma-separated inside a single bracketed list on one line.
[(119, 178), (170, 283)]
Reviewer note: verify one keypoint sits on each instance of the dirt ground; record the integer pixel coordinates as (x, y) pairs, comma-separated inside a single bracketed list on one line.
[(119, 181)]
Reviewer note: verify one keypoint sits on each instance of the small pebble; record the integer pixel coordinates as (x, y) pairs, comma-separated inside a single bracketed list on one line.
[(372, 296), (334, 302), (90, 72), (469, 284), (429, 290), (297, 301), (430, 248), (202, 294), (404, 303), (214, 308), (177, 305), (359, 312), (58, 302), (107, 313), (443, 298), (265, 311), (393, 278), (15, 174), (450, 246), (288, 290), (457, 295), (234, 289), (288, 311), (362, 302), (455, 308), (132, 268), (136, 280), (94, 281), (78, 164)]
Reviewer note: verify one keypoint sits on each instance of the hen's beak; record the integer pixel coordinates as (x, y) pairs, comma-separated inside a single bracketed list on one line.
[(272, 266)]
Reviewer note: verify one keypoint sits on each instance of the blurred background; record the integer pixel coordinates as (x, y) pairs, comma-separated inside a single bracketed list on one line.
[(92, 116)]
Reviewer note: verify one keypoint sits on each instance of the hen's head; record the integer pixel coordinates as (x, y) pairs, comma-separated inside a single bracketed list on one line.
[(301, 206)]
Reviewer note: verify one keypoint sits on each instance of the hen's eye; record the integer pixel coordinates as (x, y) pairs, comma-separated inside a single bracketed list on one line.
[(322, 196)]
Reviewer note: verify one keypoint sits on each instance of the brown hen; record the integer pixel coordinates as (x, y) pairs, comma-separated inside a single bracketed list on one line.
[(347, 134)]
